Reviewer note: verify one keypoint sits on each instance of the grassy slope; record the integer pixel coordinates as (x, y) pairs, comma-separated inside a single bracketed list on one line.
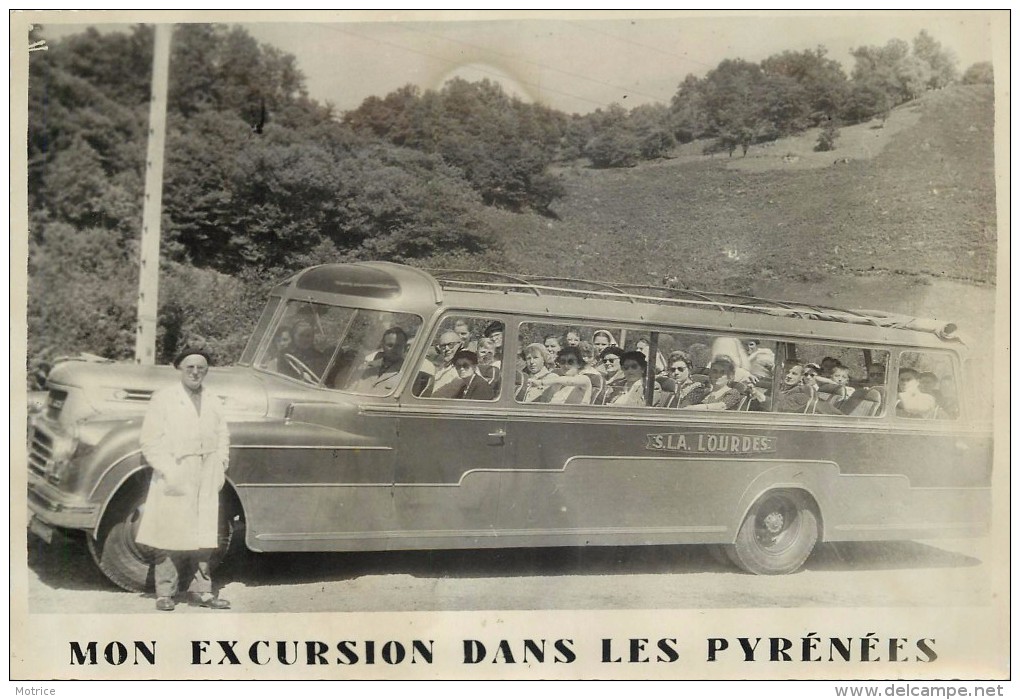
[(923, 205)]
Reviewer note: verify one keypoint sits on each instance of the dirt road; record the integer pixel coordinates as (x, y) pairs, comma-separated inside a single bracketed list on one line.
[(63, 579)]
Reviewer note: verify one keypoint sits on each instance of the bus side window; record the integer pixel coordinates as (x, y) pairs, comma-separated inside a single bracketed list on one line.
[(926, 387), (832, 380), (463, 362)]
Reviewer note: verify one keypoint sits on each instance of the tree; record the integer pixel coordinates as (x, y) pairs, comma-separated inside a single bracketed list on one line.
[(688, 113), (890, 70), (501, 144), (941, 63), (81, 293), (979, 73), (615, 146), (734, 93), (651, 127), (822, 82)]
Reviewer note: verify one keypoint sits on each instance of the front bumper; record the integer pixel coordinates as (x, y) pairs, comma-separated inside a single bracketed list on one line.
[(53, 507)]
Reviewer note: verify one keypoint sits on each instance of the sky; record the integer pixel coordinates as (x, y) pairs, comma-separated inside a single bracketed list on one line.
[(569, 61)]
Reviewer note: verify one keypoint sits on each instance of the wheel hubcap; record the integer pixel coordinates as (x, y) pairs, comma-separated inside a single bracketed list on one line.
[(776, 526), (774, 522)]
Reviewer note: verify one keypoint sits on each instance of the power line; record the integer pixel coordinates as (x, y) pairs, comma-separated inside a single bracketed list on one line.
[(455, 63), (621, 88), (635, 43)]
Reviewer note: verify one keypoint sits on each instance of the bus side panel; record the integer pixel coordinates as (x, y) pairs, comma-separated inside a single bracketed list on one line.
[(652, 500)]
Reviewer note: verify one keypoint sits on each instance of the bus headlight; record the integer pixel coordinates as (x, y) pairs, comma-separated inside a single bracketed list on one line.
[(62, 450)]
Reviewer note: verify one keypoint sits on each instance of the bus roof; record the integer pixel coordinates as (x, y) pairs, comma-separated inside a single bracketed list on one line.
[(383, 284)]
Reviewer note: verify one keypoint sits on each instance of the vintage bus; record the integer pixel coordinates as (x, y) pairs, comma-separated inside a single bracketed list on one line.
[(359, 422)]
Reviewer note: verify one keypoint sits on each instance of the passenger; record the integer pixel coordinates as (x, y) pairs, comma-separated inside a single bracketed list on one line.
[(722, 396), (472, 385), (701, 356), (752, 345), (494, 332), (930, 385), (793, 396), (761, 364), (876, 378), (488, 366), (876, 374), (307, 357), (462, 329), (590, 368), (946, 397), (611, 368), (841, 378), (536, 359), (570, 387), (282, 342), (612, 374), (634, 365), (553, 347), (380, 374), (911, 401), (687, 391), (810, 380), (602, 340), (573, 338), (828, 364), (644, 347), (444, 381)]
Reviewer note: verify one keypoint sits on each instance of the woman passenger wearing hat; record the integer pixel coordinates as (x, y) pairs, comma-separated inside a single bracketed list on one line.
[(184, 439), (494, 332), (473, 385)]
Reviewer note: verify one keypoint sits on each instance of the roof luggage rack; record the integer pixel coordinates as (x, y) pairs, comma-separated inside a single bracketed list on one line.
[(468, 280)]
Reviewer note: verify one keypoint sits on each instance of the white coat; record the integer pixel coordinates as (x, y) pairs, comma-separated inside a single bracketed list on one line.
[(188, 453)]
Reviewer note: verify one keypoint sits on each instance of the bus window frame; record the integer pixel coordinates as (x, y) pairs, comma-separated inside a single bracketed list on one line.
[(428, 333), (781, 342), (964, 410)]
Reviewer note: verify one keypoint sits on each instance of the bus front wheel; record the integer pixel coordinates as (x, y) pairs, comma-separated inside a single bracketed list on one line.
[(129, 564), (778, 534)]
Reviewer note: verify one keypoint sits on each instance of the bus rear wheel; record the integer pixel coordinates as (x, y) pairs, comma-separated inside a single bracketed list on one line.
[(778, 534)]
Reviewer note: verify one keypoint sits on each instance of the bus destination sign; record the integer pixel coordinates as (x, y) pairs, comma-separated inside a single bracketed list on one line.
[(711, 443)]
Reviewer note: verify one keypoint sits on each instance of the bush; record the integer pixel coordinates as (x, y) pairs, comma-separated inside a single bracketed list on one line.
[(979, 73), (616, 147), (827, 138)]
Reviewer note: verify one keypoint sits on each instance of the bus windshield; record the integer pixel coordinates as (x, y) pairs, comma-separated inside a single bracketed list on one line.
[(355, 350)]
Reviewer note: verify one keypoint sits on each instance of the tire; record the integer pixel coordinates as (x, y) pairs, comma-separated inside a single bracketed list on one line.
[(128, 564), (778, 534)]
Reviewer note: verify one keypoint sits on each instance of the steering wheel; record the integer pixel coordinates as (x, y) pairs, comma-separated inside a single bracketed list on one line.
[(303, 370)]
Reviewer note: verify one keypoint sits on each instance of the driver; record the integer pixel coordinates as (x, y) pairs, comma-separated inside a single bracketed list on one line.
[(304, 352), (380, 373)]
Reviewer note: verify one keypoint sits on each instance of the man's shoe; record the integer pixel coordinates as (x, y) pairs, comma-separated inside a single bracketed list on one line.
[(165, 604), (214, 603)]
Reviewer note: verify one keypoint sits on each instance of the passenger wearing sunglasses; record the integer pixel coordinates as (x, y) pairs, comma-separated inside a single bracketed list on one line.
[(472, 385), (570, 386), (612, 372), (688, 392)]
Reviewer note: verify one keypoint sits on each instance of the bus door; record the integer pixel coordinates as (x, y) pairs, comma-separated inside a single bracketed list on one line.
[(451, 442)]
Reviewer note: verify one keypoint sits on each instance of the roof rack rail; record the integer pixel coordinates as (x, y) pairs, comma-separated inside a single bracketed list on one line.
[(635, 293)]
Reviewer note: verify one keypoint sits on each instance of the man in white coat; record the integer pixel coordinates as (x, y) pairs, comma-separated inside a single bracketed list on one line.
[(185, 440)]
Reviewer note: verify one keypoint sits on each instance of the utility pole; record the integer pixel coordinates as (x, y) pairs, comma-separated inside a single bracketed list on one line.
[(148, 269)]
